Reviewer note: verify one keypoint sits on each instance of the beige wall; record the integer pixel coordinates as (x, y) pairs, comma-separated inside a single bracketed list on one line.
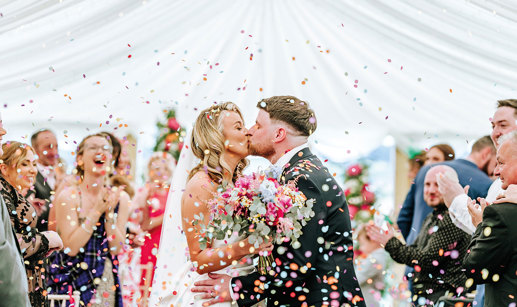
[(402, 183)]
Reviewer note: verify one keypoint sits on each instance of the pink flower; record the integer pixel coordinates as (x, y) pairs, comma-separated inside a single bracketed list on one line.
[(284, 225), (354, 170), (273, 213), (173, 124), (285, 202)]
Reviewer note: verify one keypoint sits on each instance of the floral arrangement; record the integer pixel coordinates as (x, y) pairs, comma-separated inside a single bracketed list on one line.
[(357, 192), (171, 135), (259, 208)]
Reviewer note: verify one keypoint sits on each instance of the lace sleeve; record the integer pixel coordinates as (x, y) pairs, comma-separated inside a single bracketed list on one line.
[(33, 244)]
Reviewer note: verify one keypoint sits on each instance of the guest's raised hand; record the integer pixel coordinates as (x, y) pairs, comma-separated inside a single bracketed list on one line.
[(476, 211), (507, 196), (379, 235), (111, 198), (449, 188)]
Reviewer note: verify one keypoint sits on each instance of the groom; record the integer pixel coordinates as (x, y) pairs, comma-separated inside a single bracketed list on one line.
[(320, 271)]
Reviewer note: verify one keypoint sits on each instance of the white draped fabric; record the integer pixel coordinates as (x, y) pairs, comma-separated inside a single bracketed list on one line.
[(410, 69)]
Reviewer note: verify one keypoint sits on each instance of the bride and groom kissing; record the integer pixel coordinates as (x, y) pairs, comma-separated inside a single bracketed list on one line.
[(318, 271)]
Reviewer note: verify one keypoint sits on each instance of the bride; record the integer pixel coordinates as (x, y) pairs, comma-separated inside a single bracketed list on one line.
[(219, 140)]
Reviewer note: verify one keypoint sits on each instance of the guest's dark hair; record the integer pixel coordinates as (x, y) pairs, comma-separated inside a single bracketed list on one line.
[(291, 111), (512, 103), (482, 143), (418, 160), (446, 149)]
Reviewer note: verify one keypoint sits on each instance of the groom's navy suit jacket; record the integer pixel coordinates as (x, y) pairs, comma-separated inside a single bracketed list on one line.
[(321, 270)]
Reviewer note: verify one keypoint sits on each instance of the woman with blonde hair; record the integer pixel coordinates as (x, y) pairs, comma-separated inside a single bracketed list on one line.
[(91, 218), (219, 140), (18, 173)]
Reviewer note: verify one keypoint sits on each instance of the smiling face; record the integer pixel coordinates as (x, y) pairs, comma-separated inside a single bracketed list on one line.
[(507, 163), (46, 148), (235, 134), (432, 195), (503, 122), (96, 156), (434, 155), (22, 172), (261, 136)]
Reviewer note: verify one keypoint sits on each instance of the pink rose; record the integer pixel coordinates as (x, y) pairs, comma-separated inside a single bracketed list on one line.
[(173, 124)]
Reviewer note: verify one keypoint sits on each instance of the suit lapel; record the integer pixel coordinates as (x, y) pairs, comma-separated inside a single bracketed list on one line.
[(301, 155)]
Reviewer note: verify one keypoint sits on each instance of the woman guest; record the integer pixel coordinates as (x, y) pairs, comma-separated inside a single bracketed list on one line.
[(160, 168), (18, 173), (91, 218), (439, 153)]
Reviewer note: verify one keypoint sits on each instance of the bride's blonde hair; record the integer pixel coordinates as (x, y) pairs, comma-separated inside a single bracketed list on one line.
[(208, 144)]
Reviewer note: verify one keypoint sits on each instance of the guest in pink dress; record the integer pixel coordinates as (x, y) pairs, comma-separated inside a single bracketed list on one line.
[(161, 166)]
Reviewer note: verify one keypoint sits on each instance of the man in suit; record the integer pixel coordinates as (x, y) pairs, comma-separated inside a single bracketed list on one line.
[(493, 250), (320, 270), (45, 145), (13, 280)]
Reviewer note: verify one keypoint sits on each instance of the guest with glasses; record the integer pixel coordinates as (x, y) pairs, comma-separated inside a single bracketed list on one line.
[(91, 218)]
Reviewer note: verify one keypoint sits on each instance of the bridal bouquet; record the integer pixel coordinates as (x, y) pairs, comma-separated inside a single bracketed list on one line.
[(259, 208)]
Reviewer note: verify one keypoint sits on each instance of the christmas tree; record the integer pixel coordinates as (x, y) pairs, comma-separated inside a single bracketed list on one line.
[(357, 192), (171, 135)]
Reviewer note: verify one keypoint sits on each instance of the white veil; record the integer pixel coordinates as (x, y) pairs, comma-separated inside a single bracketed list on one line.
[(172, 255)]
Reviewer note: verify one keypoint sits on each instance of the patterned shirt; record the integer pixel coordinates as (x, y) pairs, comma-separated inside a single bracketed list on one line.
[(436, 255)]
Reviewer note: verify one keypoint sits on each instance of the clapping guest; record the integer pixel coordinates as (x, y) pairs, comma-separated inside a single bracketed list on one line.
[(492, 259), (160, 169), (91, 218), (18, 172), (370, 268), (14, 291), (438, 250)]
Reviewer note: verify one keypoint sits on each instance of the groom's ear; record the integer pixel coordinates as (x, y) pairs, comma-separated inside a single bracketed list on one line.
[(280, 134)]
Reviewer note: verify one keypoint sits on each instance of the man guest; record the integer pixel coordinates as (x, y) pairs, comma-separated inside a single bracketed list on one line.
[(44, 143)]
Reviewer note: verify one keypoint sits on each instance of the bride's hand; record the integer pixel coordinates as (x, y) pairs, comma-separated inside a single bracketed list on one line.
[(264, 249)]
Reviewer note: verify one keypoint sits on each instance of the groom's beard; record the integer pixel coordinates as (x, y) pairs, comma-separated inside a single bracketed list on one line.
[(262, 151)]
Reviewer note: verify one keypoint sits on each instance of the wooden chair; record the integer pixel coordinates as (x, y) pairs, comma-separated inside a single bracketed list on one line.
[(61, 299), (147, 273)]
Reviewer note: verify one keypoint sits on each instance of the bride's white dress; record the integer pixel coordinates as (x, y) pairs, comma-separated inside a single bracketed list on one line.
[(174, 275), (182, 295)]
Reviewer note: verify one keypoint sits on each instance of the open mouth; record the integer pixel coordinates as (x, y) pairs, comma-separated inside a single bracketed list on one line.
[(99, 160)]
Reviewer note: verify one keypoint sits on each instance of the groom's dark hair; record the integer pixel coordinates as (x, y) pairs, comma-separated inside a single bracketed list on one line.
[(291, 111)]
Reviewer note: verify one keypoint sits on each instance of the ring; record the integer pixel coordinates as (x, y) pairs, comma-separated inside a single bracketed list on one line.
[(212, 294)]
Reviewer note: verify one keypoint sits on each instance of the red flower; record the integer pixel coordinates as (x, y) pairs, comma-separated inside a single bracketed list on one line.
[(173, 124), (354, 170)]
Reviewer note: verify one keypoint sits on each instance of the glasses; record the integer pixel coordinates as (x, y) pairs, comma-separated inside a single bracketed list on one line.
[(95, 148)]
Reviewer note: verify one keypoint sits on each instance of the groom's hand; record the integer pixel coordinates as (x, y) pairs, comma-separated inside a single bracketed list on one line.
[(217, 288)]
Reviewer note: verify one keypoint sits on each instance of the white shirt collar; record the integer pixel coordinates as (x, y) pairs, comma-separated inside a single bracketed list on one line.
[(289, 155)]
